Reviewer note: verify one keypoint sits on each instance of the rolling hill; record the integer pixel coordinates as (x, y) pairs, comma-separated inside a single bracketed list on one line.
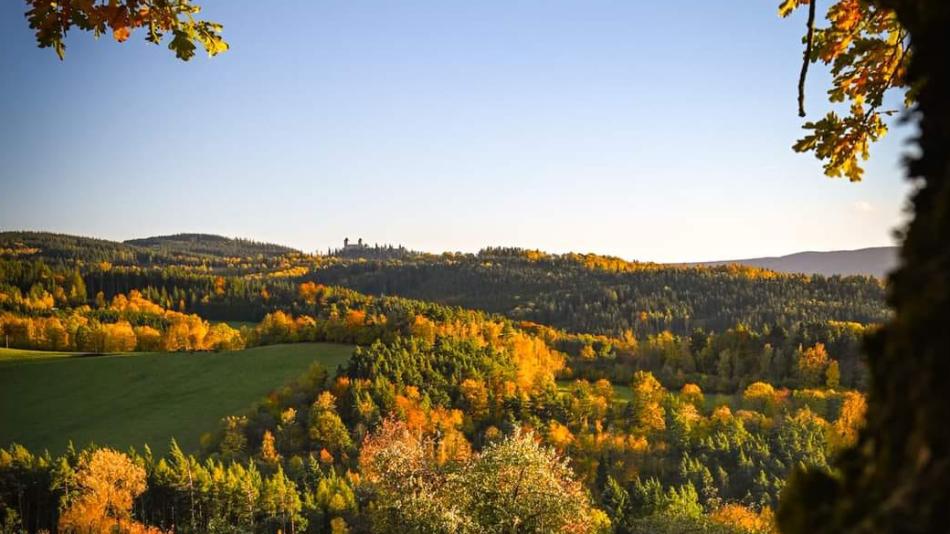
[(158, 250), (210, 245)]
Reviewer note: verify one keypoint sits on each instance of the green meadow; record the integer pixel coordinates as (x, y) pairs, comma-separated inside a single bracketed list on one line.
[(623, 393), (47, 399), (21, 355)]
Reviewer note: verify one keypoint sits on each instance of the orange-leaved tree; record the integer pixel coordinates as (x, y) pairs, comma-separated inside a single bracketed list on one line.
[(108, 482)]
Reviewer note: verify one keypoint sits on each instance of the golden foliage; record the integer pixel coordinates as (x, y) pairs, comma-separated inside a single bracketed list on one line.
[(850, 419), (108, 482), (647, 395), (269, 452), (536, 363), (559, 435), (812, 364), (310, 292), (761, 395), (692, 394), (745, 519)]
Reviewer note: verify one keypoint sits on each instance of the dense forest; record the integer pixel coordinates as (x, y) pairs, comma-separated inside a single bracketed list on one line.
[(210, 245), (590, 293), (689, 416), (578, 293), (722, 327)]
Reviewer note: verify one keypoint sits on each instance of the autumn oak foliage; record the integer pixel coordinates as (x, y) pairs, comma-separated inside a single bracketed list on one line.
[(53, 19), (866, 48)]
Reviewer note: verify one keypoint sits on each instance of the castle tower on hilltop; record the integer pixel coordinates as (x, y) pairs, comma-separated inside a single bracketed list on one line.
[(359, 245)]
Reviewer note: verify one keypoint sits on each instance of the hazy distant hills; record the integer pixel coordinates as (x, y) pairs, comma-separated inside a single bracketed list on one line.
[(876, 261)]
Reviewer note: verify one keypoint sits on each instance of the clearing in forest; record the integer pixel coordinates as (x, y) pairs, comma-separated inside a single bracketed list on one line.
[(122, 400)]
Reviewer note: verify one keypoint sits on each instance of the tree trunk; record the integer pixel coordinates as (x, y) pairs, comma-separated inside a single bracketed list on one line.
[(897, 477)]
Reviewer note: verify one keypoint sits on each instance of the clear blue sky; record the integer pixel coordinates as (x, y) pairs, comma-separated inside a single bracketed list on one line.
[(647, 130)]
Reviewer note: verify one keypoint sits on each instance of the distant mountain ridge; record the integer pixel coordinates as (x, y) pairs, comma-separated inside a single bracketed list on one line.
[(874, 261)]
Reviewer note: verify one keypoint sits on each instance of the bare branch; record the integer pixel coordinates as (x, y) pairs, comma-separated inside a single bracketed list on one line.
[(809, 39)]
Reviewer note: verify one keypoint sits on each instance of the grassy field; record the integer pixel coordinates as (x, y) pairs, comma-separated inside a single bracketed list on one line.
[(20, 355), (47, 399), (624, 393)]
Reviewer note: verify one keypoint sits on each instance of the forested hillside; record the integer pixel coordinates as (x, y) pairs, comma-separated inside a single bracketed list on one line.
[(581, 293), (620, 315), (679, 397), (589, 293), (210, 245), (189, 249), (69, 249)]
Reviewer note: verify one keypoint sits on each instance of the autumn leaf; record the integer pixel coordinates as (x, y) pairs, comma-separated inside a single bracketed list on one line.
[(182, 46), (787, 6), (216, 46), (121, 33)]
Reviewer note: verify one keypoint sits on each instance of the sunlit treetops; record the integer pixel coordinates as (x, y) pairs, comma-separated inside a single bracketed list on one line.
[(18, 250), (637, 438), (745, 519), (619, 265), (308, 310), (126, 324), (550, 288), (106, 484), (567, 294), (461, 380)]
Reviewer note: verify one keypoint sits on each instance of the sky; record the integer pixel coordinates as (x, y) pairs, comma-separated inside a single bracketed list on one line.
[(647, 130)]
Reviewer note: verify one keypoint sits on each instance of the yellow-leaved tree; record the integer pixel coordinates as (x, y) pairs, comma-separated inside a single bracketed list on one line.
[(108, 482)]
